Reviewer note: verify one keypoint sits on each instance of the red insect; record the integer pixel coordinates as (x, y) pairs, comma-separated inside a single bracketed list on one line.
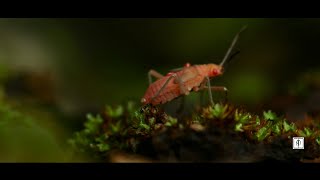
[(184, 80)]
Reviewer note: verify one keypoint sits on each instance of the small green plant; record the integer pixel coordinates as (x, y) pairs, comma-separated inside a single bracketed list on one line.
[(257, 127), (241, 119), (122, 127), (115, 112), (263, 132), (171, 122), (219, 110), (238, 127), (126, 127), (288, 127), (318, 140), (216, 111), (306, 132), (269, 115), (92, 124)]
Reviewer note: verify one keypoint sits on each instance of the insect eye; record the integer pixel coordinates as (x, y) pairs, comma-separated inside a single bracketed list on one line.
[(215, 72)]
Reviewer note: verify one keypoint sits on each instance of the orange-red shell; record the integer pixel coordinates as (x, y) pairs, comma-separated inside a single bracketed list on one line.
[(191, 77)]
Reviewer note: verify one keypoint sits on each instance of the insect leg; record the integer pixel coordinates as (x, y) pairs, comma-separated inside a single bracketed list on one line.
[(181, 104), (209, 90), (202, 98), (154, 74), (182, 89), (219, 88)]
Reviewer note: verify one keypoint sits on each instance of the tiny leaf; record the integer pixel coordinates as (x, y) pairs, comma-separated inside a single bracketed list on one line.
[(301, 133), (152, 120), (257, 121), (276, 129), (239, 127), (308, 132), (218, 110), (103, 147), (115, 127), (263, 132), (144, 126), (269, 115), (236, 115), (318, 140), (167, 124), (172, 120), (114, 113), (286, 126)]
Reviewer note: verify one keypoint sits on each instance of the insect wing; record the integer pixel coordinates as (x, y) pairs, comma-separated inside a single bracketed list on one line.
[(187, 74)]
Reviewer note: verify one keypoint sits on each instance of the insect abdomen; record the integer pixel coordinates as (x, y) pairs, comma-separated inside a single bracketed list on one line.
[(170, 92), (190, 79), (165, 97)]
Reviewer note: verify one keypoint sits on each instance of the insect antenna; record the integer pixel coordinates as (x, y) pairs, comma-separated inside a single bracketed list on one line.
[(235, 39), (231, 58)]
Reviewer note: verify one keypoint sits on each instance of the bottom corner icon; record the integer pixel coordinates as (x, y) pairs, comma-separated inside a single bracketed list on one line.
[(298, 143)]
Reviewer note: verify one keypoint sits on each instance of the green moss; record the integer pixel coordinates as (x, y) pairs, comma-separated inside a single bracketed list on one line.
[(114, 112), (263, 132), (318, 140), (241, 117), (125, 127), (269, 115), (218, 111), (238, 127), (288, 127), (171, 121)]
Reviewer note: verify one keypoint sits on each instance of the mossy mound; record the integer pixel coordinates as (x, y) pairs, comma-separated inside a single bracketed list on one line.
[(219, 133)]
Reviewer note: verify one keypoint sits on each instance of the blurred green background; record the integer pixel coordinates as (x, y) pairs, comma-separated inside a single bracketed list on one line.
[(57, 70)]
